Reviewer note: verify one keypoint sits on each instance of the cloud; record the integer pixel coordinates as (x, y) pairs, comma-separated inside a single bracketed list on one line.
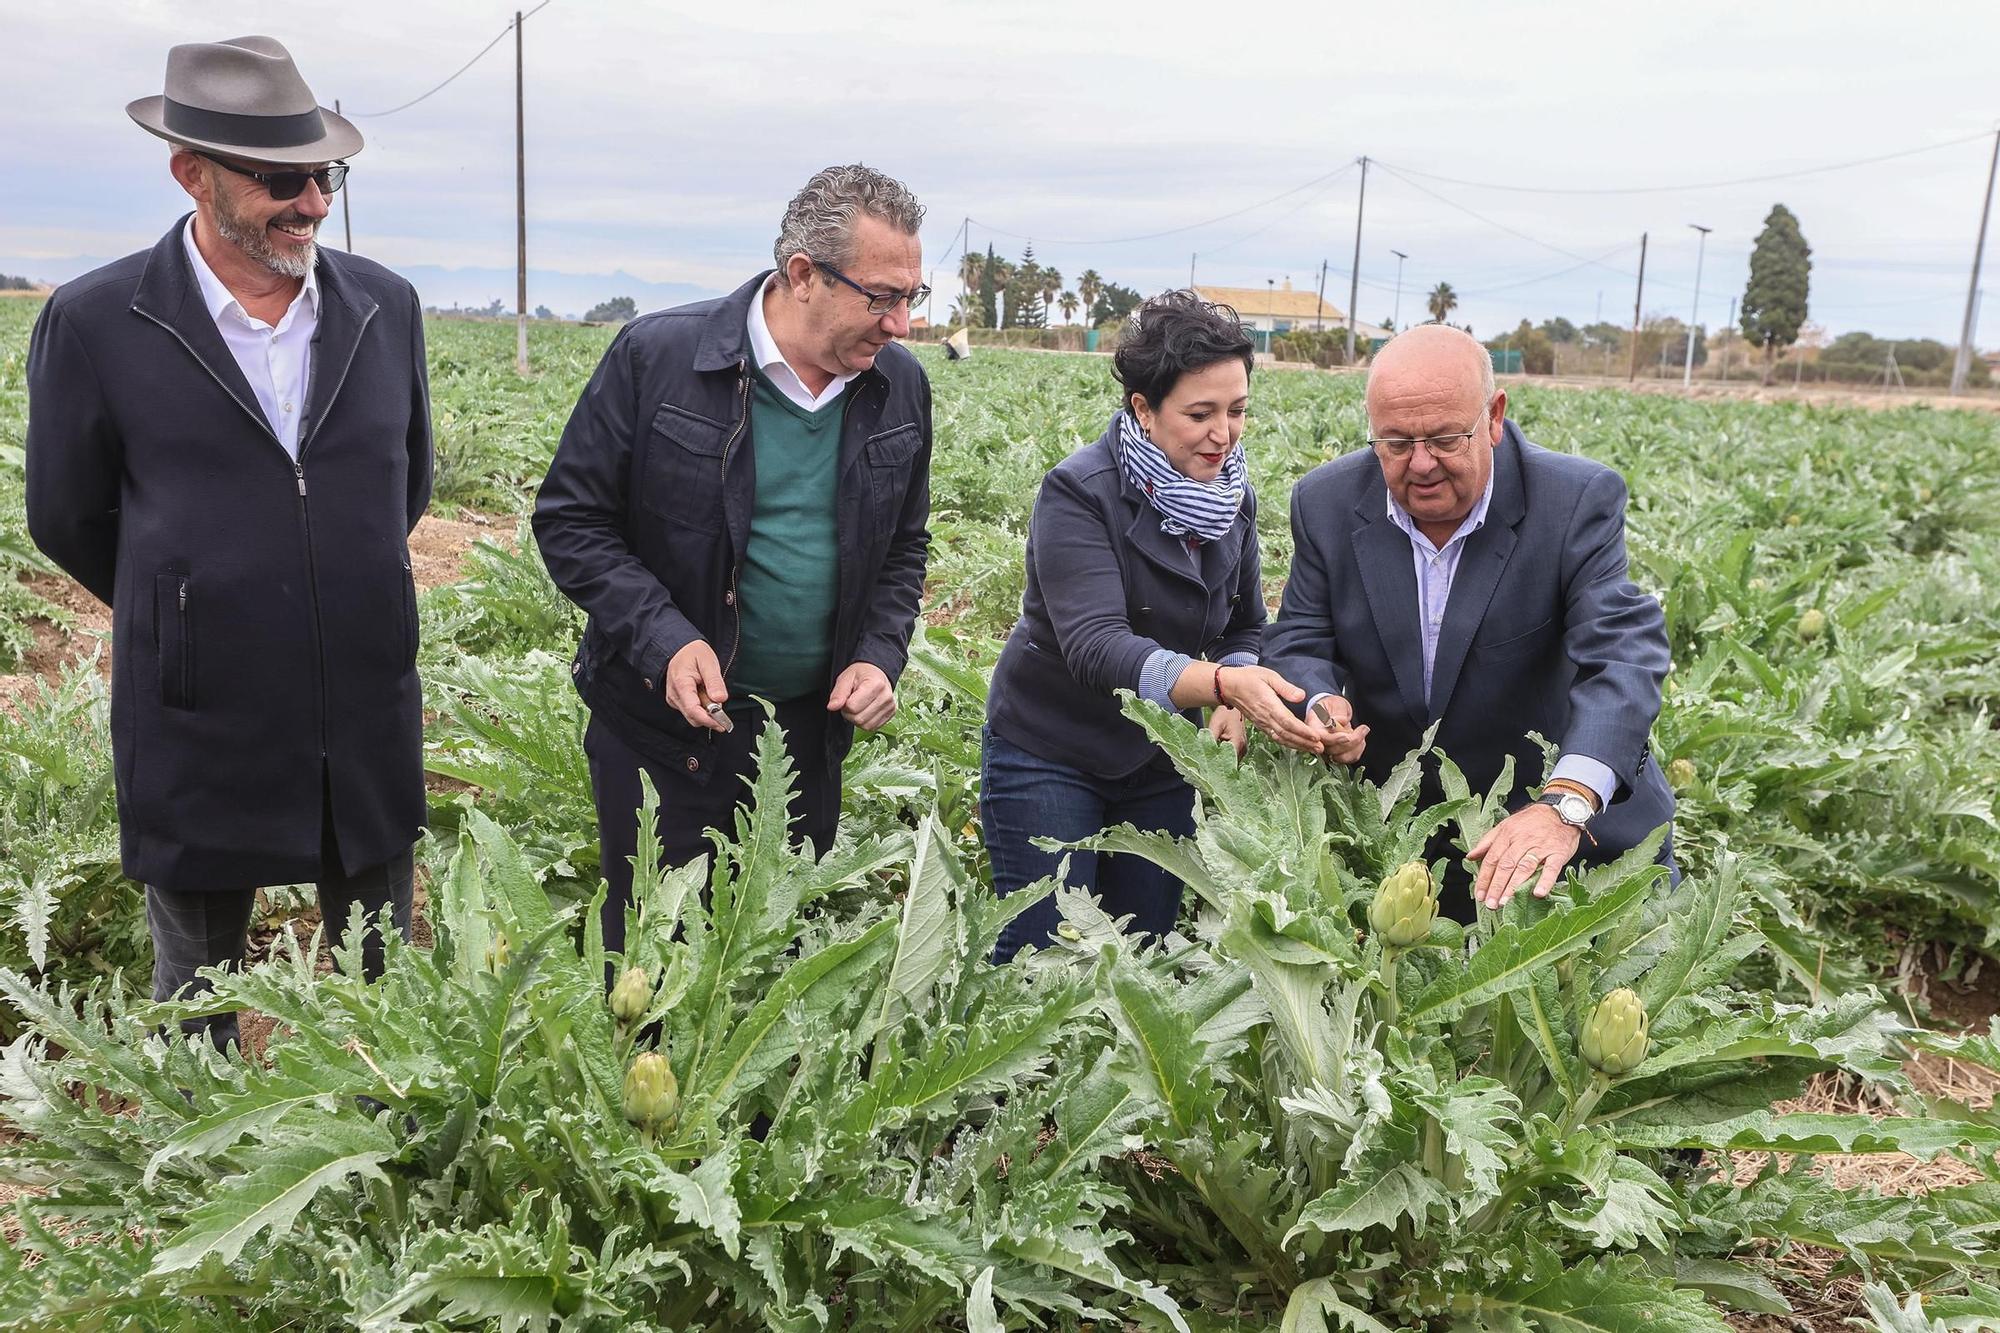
[(664, 141)]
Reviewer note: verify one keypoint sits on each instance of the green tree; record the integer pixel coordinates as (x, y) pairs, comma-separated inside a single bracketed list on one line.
[(1113, 304), (1089, 287), (1538, 353), (1069, 304), (1052, 286), (1774, 302), (989, 289), (1560, 330), (1025, 307), (971, 308), (1442, 301), (618, 308)]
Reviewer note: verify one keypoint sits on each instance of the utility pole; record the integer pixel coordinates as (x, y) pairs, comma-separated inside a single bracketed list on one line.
[(520, 211), (1354, 278), (1319, 308), (1633, 372), (1192, 256), (1701, 249), (1963, 366), (346, 218), (1397, 318)]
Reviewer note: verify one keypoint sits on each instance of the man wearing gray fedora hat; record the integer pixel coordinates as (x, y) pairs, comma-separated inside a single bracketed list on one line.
[(229, 443)]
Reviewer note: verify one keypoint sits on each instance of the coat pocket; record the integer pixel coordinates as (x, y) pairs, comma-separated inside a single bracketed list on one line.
[(683, 476), (409, 613), (173, 636), (1515, 645)]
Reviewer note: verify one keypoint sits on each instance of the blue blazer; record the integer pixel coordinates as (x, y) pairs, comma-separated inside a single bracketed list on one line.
[(1106, 589), (1543, 631)]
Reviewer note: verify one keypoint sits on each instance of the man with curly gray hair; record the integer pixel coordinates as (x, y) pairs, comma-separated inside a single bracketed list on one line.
[(739, 502)]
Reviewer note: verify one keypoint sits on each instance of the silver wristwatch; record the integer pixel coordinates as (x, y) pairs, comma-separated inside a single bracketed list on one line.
[(1572, 809)]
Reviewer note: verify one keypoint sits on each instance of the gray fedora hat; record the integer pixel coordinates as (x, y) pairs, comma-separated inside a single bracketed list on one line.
[(244, 98)]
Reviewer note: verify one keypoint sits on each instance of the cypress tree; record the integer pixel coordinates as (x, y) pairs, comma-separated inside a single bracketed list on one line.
[(1774, 303)]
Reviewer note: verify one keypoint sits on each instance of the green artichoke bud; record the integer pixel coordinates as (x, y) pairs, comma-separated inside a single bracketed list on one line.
[(651, 1094), (1759, 583), (498, 952), (1614, 1041), (631, 995), (1404, 906), (1924, 494), (1812, 624), (1681, 774), (1069, 932), (1793, 520)]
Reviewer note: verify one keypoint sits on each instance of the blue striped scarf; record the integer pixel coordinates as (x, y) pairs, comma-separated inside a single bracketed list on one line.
[(1188, 508)]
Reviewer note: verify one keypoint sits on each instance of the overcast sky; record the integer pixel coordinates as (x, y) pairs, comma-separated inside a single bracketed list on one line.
[(664, 140)]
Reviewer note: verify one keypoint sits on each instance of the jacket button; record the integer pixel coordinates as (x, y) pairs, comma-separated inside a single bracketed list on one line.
[(576, 668), (729, 598), (647, 683), (693, 764)]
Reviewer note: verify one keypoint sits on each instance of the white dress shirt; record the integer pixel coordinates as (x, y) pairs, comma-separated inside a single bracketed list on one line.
[(772, 362), (1436, 569), (275, 359)]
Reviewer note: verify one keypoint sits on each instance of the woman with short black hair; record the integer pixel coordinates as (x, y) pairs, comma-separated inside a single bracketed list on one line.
[(1143, 574)]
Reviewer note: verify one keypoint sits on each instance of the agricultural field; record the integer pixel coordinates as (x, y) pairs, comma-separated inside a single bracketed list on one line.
[(1761, 1102)]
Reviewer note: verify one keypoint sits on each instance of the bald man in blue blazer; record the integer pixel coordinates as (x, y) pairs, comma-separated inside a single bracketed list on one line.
[(1454, 574)]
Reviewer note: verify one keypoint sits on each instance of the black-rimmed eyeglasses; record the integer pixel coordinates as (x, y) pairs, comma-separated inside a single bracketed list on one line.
[(879, 303), (289, 184)]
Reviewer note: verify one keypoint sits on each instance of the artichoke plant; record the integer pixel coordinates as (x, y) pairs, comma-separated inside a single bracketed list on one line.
[(631, 996), (651, 1094), (1404, 906), (1614, 1040)]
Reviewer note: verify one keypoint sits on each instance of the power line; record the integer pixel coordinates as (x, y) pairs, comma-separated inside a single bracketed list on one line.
[(371, 115), (1171, 231), (1494, 223), (1697, 185)]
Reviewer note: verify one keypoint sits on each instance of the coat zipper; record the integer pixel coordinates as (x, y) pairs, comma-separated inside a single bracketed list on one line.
[(312, 582), (735, 565)]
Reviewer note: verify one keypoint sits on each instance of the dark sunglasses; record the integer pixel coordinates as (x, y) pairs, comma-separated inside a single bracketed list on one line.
[(289, 184), (879, 303)]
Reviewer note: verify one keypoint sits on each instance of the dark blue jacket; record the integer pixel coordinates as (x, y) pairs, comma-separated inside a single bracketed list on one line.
[(264, 619), (1106, 589), (1544, 632), (645, 513)]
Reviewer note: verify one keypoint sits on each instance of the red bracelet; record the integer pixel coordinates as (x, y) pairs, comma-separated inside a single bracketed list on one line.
[(1220, 701)]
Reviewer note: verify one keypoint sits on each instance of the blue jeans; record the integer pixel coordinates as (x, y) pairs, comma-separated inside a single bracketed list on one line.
[(1024, 796)]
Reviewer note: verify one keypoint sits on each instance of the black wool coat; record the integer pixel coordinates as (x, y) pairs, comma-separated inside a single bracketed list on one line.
[(264, 618)]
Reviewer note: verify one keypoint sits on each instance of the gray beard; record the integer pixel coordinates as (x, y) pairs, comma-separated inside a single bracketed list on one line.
[(252, 241)]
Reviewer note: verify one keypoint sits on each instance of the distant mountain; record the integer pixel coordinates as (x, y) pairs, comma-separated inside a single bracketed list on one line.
[(567, 295)]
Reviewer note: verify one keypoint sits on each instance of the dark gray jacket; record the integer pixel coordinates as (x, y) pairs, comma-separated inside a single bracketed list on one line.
[(1544, 632), (1106, 589), (264, 619), (645, 513)]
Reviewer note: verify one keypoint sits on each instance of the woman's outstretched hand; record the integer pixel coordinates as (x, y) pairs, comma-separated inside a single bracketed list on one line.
[(1264, 697)]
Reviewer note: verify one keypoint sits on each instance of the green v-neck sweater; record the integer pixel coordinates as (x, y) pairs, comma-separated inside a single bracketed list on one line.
[(791, 567)]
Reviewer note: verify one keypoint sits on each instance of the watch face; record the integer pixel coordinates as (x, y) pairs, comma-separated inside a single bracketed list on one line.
[(1573, 808)]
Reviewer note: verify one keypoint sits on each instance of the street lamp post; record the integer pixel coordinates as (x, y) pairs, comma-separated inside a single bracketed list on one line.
[(1397, 318), (1701, 248)]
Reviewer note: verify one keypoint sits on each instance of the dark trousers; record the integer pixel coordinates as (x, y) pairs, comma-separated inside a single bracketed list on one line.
[(1023, 796), (688, 809), (193, 929)]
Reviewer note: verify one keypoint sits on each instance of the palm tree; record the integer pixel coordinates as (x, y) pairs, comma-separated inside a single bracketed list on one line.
[(1443, 300), (1052, 285), (1088, 288), (1069, 303), (971, 268)]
